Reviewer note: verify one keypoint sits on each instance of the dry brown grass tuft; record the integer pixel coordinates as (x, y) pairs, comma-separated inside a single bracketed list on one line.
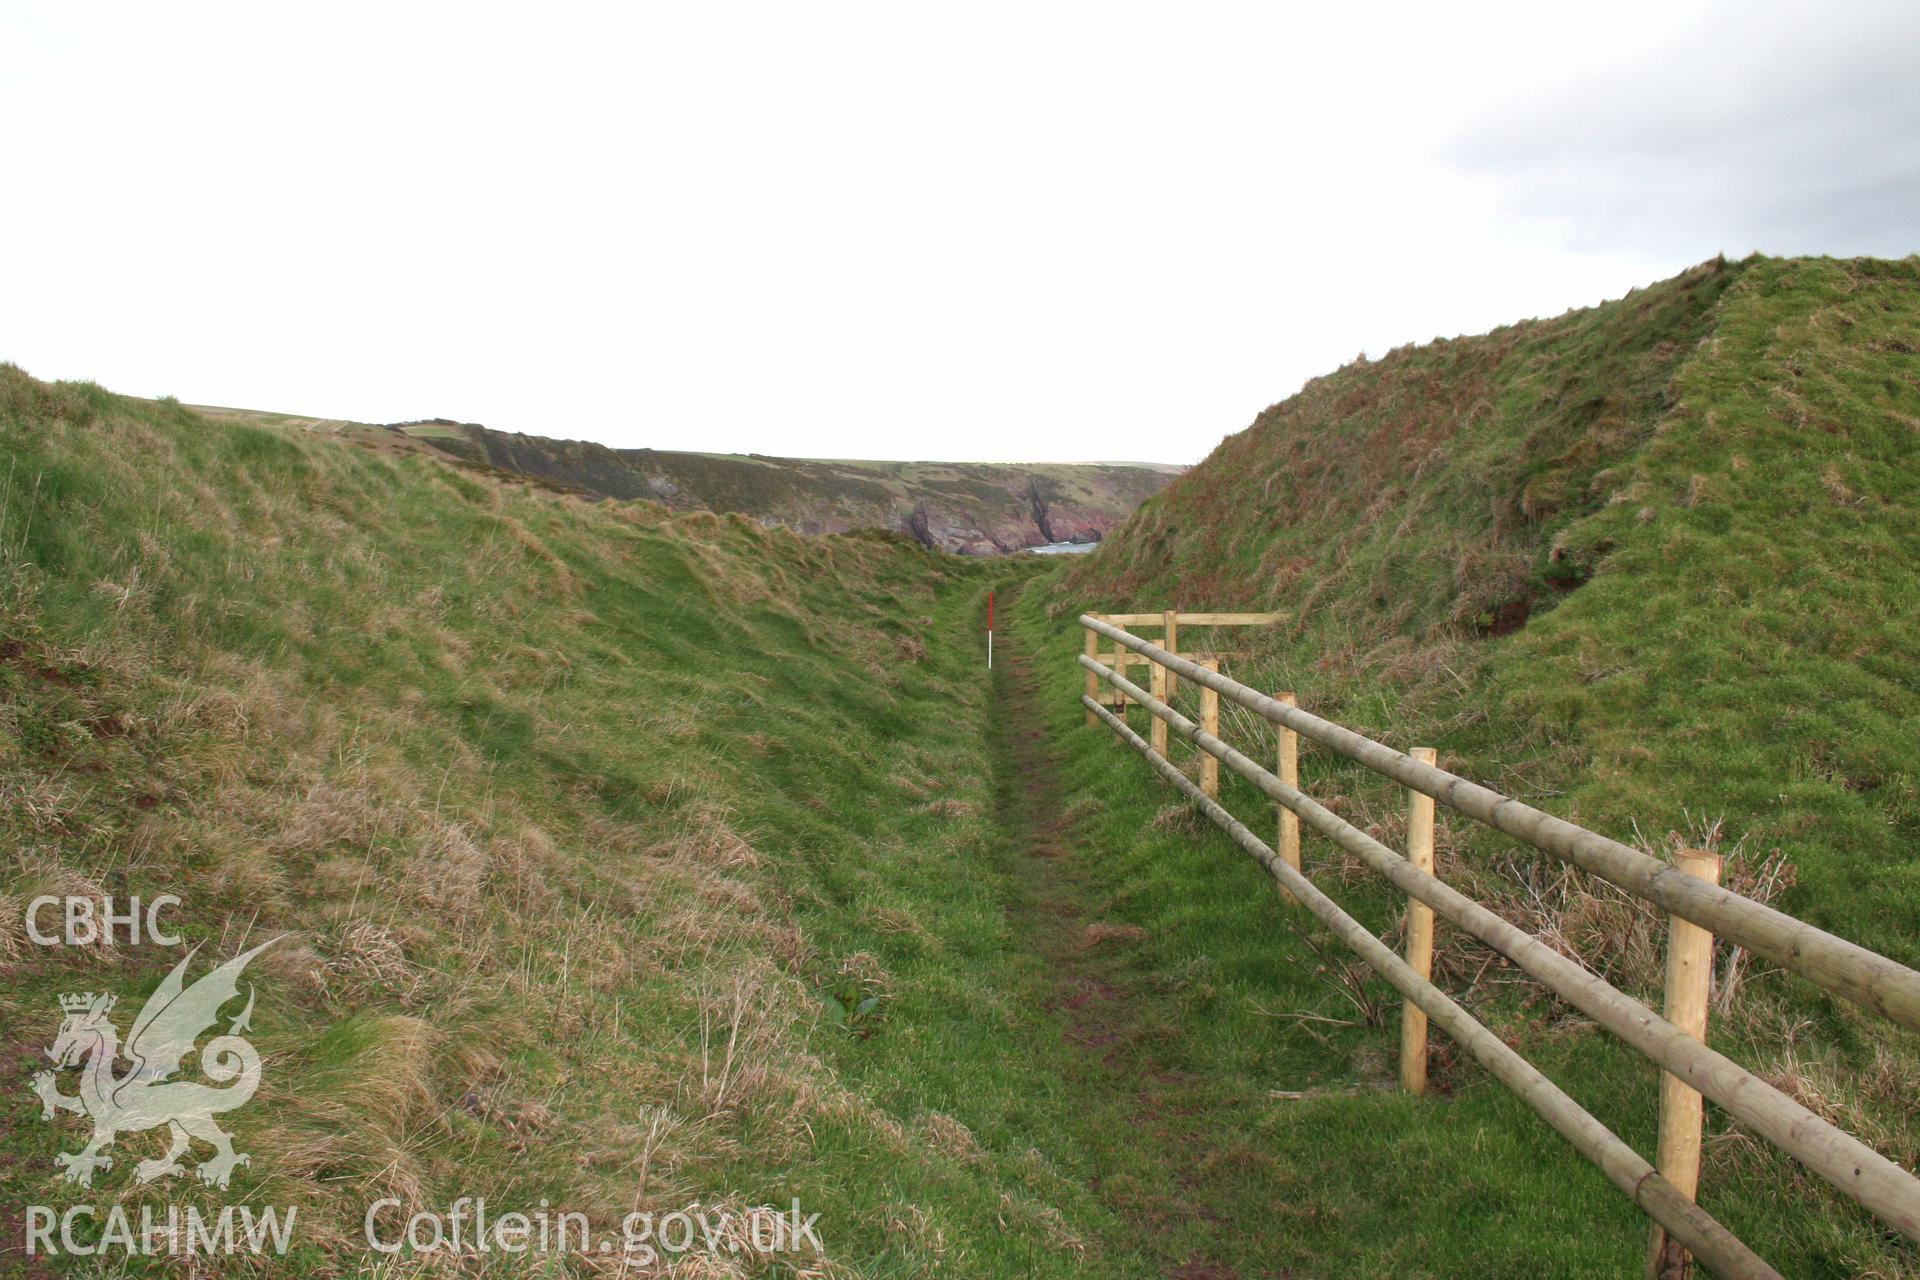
[(557, 579), (900, 922), (449, 868), (1583, 917), (526, 868), (729, 895), (1082, 807), (1487, 578), (1027, 1212), (371, 1119), (917, 787), (13, 928), (49, 805), (329, 815), (41, 872), (915, 1228), (863, 969), (951, 1138), (707, 838), (746, 1024), (1614, 933), (364, 957), (1099, 931), (293, 963), (1179, 819)]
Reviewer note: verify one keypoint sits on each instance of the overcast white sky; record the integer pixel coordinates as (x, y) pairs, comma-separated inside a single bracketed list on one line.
[(973, 231)]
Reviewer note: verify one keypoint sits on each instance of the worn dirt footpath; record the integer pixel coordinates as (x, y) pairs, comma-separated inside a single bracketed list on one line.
[(1121, 1043)]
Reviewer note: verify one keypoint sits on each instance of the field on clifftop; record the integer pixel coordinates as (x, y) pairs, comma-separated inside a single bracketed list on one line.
[(973, 508)]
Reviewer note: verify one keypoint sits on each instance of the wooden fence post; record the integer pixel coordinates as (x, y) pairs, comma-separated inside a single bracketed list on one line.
[(1289, 773), (1093, 681), (1119, 669), (1689, 980), (1413, 1020), (1210, 721), (1157, 734), (1170, 641)]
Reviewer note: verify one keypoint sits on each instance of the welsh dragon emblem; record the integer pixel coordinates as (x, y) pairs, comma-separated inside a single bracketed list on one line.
[(145, 1096)]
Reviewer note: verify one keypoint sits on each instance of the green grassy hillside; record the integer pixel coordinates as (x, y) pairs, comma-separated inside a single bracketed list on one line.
[(1649, 566), (625, 860), (1668, 540)]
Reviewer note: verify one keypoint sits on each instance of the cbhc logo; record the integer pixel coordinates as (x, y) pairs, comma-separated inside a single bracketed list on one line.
[(87, 922)]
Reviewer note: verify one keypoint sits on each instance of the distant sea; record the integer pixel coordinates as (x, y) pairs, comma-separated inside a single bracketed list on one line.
[(1063, 548)]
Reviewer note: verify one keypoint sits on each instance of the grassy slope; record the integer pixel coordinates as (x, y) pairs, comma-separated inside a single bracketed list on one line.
[(542, 790), (1700, 501)]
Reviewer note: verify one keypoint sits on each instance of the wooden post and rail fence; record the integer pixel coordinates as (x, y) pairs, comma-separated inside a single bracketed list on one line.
[(1688, 890)]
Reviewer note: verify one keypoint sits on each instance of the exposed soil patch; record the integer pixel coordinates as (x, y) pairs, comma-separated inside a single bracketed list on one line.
[(1509, 617)]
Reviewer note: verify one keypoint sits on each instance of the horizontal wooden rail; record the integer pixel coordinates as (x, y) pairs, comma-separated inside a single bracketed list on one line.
[(1684, 1220), (1140, 659), (1877, 1183), (1229, 619), (1847, 969), (1194, 619)]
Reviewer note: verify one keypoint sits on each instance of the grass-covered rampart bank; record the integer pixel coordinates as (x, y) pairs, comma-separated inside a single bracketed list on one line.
[(625, 860), (1648, 566)]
